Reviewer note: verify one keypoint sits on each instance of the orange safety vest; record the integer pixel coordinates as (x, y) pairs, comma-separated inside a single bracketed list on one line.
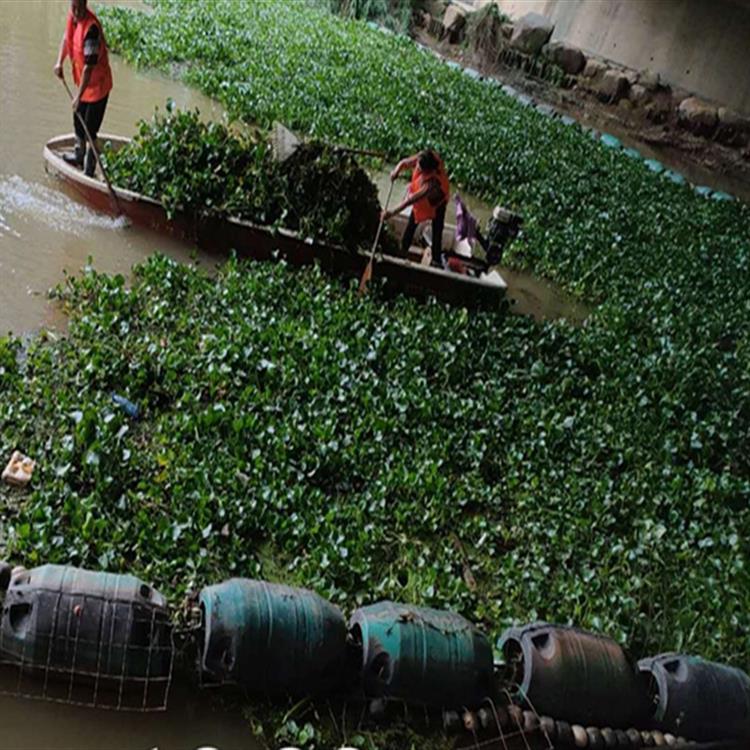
[(100, 83), (426, 208)]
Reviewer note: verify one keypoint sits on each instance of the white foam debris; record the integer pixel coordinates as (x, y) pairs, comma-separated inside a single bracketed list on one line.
[(121, 222), (7, 229), (31, 201)]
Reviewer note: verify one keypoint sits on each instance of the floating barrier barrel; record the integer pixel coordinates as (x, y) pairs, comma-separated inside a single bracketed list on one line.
[(610, 141), (698, 699), (271, 638), (422, 656), (654, 165), (574, 675), (95, 632)]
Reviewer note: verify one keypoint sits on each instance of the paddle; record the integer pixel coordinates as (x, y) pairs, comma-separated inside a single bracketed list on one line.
[(367, 275), (112, 193)]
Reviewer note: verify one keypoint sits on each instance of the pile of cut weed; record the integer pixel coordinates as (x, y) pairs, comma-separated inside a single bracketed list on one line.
[(206, 170)]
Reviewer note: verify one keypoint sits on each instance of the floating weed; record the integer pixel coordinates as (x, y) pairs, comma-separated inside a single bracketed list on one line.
[(373, 448)]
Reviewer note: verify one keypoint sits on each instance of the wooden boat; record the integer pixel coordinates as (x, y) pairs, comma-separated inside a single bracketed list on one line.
[(471, 286)]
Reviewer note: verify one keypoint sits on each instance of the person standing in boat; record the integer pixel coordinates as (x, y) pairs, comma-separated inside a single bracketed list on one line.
[(428, 196), (83, 42)]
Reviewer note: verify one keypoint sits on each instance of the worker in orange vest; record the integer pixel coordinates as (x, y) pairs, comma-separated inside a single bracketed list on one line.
[(83, 42), (428, 196)]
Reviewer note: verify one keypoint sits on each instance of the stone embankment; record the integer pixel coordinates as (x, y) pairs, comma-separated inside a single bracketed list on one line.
[(526, 44)]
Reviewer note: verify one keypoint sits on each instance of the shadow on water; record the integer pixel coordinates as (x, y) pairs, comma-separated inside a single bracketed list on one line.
[(542, 300), (189, 722)]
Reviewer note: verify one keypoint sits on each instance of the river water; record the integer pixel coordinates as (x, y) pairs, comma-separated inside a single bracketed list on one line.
[(188, 724), (44, 231)]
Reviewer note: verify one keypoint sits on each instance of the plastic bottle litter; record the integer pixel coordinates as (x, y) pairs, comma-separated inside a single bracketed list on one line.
[(654, 165), (720, 195), (131, 409), (610, 141), (675, 177)]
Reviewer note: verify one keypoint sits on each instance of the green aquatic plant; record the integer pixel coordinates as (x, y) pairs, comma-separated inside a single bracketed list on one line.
[(204, 169), (596, 475), (373, 448)]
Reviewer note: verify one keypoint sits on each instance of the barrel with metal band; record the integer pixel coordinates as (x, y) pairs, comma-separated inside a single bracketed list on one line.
[(88, 629), (271, 639), (573, 675), (422, 656), (697, 698)]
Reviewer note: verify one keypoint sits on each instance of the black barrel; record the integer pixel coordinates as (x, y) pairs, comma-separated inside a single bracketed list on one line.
[(698, 699), (89, 628), (574, 675)]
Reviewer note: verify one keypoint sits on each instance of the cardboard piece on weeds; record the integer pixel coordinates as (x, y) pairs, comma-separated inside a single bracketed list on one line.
[(283, 142), (19, 469)]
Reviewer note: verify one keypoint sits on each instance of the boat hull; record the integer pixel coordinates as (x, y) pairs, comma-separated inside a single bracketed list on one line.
[(223, 235)]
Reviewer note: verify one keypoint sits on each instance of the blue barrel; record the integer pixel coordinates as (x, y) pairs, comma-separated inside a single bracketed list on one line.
[(422, 656), (573, 675), (66, 621), (698, 699), (271, 639)]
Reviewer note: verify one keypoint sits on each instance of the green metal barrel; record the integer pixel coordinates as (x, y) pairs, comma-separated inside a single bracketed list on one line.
[(68, 621), (271, 639), (573, 675), (422, 656), (697, 698)]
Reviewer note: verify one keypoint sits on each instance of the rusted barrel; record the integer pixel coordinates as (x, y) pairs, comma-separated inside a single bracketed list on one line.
[(422, 656), (271, 638), (573, 675), (698, 699), (113, 630)]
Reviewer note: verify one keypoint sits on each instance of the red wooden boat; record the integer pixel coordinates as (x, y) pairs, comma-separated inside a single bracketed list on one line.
[(471, 287)]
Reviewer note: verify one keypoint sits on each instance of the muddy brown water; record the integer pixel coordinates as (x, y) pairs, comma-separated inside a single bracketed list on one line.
[(45, 231), (189, 723), (42, 232), (527, 294)]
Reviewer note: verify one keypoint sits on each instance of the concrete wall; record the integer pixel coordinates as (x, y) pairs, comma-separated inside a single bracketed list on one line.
[(699, 45)]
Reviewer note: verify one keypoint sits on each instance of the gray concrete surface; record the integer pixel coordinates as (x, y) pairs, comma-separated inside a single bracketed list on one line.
[(702, 46)]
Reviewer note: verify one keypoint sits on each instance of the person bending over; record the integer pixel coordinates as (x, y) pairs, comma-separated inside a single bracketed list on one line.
[(429, 191)]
